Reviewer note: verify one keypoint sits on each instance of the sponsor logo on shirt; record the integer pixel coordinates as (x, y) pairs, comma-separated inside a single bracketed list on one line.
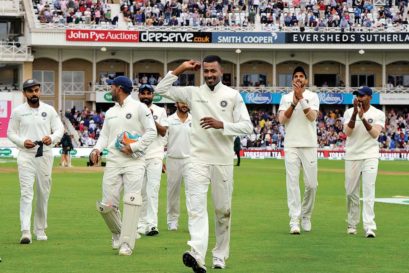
[(201, 101)]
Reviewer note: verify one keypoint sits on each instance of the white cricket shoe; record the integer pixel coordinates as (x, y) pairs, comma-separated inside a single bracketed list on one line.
[(115, 240), (125, 250), (172, 226), (218, 263), (306, 224), (295, 230), (25, 237), (190, 259), (351, 230), (41, 236), (370, 233)]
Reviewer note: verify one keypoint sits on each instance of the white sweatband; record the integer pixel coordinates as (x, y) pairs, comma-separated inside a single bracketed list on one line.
[(304, 104)]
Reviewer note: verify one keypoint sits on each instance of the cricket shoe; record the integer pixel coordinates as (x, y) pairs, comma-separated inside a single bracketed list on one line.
[(115, 240), (125, 250), (41, 236), (218, 263), (152, 232), (369, 233), (25, 237), (352, 230), (172, 226), (306, 224), (295, 230), (190, 260)]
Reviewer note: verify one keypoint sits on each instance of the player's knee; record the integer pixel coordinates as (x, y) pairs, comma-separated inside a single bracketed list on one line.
[(223, 215)]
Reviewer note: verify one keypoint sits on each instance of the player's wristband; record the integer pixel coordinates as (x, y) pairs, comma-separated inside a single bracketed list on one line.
[(304, 104), (293, 105)]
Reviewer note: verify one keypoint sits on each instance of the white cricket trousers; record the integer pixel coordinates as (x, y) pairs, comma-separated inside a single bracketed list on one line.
[(177, 168), (295, 158), (354, 170), (30, 169), (129, 179), (150, 194), (221, 180)]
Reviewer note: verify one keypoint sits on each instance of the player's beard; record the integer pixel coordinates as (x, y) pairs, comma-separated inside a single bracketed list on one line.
[(183, 109), (147, 101), (33, 100)]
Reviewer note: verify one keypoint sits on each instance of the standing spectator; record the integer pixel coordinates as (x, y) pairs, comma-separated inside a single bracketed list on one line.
[(178, 160), (66, 145), (298, 111), (218, 114), (363, 124), (237, 149), (125, 163), (34, 124)]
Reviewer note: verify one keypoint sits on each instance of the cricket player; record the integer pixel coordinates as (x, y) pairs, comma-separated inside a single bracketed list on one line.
[(34, 128), (298, 112), (125, 167), (363, 124), (218, 114), (178, 160), (148, 222)]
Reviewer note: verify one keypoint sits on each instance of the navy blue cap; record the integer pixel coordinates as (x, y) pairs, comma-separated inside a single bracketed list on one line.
[(124, 82), (146, 87), (364, 90), (30, 83)]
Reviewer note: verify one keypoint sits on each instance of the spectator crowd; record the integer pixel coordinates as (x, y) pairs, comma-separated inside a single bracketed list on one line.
[(269, 133), (348, 15)]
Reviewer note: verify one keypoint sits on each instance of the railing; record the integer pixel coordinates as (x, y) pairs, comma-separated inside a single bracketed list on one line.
[(249, 28), (277, 89), (14, 50), (10, 7)]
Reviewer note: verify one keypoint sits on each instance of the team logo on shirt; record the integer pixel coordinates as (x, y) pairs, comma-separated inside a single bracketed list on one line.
[(370, 120), (223, 103), (128, 116), (43, 114), (155, 117)]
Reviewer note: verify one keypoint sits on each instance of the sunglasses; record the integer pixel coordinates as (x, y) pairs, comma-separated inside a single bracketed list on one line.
[(145, 86)]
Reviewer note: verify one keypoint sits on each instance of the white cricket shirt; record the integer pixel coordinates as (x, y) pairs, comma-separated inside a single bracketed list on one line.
[(157, 147), (34, 124), (178, 136), (210, 146), (299, 130), (134, 117), (360, 144)]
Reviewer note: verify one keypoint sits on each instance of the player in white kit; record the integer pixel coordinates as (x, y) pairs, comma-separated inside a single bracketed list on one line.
[(34, 127), (218, 114), (362, 124), (125, 166), (298, 112), (177, 160), (148, 222)]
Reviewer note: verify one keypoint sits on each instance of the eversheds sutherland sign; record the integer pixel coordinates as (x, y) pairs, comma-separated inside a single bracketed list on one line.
[(137, 36), (346, 38)]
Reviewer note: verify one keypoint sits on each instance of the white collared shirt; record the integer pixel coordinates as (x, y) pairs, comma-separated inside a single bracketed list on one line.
[(27, 123), (210, 146), (178, 136)]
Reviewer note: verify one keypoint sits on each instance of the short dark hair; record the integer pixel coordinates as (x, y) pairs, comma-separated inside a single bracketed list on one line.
[(299, 69), (212, 59)]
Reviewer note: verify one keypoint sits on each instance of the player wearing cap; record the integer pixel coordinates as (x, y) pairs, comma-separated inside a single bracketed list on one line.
[(363, 124), (178, 160), (34, 127), (148, 222), (298, 111), (218, 114), (125, 167)]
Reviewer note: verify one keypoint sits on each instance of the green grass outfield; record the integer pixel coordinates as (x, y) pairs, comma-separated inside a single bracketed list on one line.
[(79, 241)]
